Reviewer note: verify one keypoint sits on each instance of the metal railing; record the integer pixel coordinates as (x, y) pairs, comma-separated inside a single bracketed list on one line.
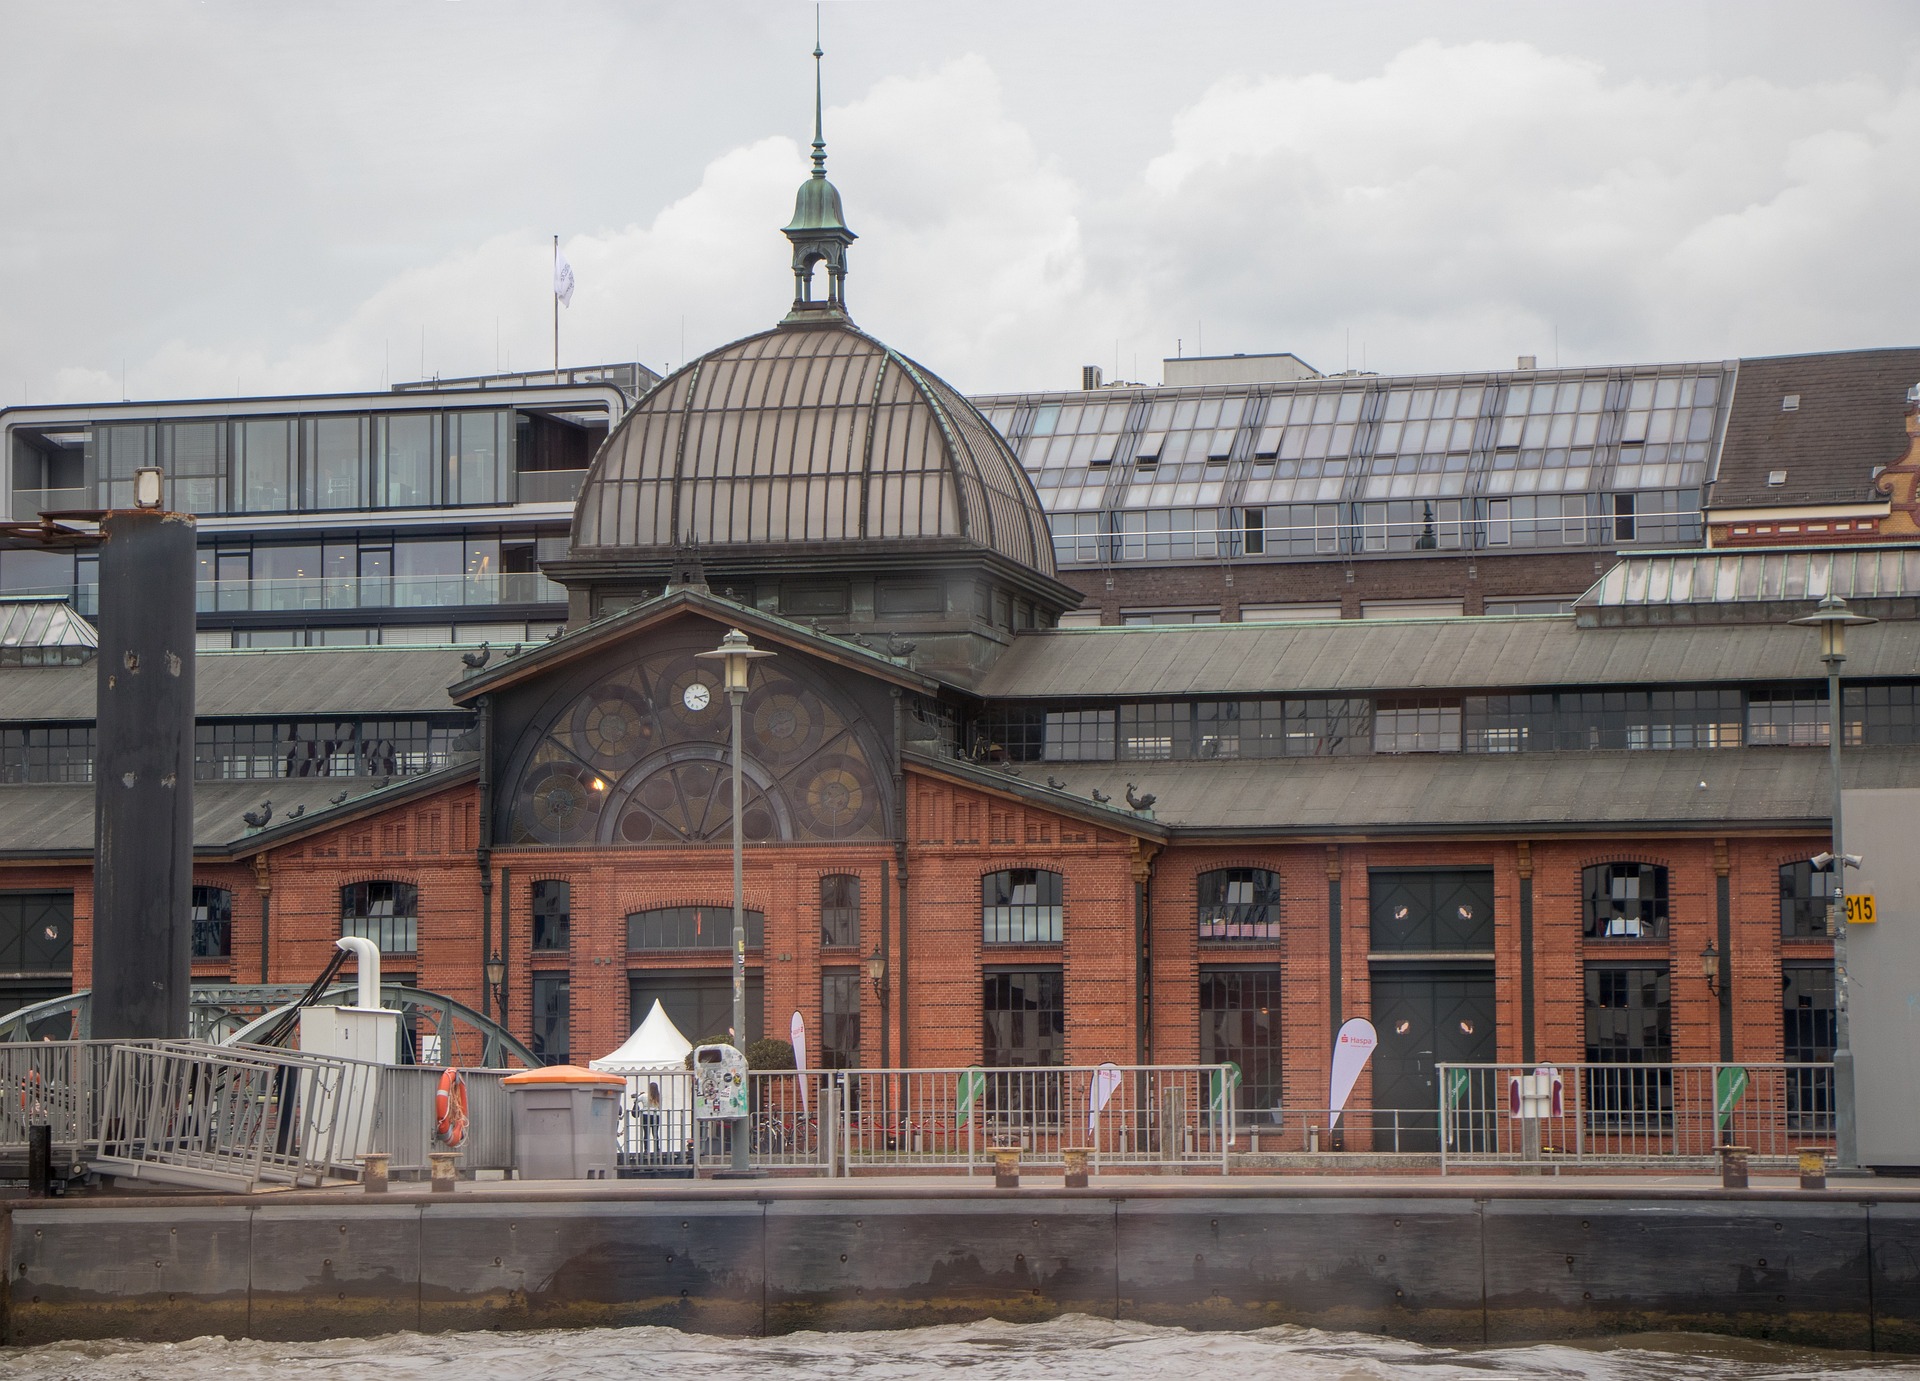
[(55, 1084), (1312, 1131), (953, 1119), (405, 1116), (1635, 1116), (375, 592), (233, 1117)]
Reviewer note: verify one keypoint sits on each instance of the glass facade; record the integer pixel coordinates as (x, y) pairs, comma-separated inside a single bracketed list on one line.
[(1372, 465)]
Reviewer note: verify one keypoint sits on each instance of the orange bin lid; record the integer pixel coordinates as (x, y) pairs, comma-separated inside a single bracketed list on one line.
[(562, 1074)]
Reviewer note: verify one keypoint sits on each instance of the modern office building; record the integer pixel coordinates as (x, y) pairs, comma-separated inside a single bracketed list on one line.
[(975, 835), (417, 515)]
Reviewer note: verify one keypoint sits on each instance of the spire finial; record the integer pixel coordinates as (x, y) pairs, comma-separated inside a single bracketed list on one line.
[(819, 139)]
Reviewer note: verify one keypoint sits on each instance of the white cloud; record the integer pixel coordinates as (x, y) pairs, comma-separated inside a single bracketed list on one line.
[(1457, 205)]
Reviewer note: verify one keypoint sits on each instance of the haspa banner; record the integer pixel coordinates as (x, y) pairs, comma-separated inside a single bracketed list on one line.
[(799, 1033), (1105, 1080), (1352, 1048)]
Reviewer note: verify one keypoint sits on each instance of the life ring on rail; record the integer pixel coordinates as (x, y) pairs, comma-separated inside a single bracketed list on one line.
[(450, 1108)]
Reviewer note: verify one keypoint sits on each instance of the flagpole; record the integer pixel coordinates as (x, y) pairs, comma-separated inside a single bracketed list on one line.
[(556, 309)]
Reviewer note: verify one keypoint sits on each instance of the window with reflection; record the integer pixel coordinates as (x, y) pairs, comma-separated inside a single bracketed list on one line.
[(1787, 718), (552, 994), (1416, 726), (839, 1019), (384, 912), (1240, 1025), (212, 923), (840, 910), (1021, 906), (1239, 904), (1630, 1025), (551, 906), (1806, 892), (1624, 901), (691, 927)]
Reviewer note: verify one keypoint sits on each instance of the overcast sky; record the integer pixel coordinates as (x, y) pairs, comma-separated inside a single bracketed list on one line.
[(240, 196)]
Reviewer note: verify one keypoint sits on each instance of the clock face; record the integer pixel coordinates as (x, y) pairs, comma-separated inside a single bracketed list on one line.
[(696, 697)]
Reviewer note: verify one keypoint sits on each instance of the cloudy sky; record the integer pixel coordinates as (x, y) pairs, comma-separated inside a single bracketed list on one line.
[(252, 196)]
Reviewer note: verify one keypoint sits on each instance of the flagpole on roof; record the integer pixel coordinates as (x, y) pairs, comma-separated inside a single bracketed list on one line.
[(556, 309)]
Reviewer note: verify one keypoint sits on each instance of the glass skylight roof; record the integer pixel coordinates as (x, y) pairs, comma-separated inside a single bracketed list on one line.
[(1268, 458)]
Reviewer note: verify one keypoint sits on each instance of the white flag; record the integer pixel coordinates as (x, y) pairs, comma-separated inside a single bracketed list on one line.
[(798, 1030), (1351, 1051), (562, 278)]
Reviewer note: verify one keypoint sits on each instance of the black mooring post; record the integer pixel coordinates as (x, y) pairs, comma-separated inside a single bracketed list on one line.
[(143, 778), (39, 1160)]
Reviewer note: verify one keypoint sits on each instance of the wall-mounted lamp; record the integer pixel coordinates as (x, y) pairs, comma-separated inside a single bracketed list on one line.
[(1710, 968), (497, 976), (877, 974)]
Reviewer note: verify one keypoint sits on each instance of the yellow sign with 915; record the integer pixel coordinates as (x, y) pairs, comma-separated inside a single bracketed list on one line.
[(1861, 910)]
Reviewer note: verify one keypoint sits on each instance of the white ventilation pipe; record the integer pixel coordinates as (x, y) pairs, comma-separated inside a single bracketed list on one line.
[(368, 955)]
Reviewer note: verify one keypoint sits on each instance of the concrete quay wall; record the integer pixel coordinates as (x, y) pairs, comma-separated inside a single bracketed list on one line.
[(1470, 1264)]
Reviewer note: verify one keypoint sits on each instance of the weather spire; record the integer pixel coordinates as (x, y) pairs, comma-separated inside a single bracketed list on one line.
[(819, 139), (818, 230)]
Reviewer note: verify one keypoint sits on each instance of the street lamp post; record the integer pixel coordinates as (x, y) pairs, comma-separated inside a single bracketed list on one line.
[(735, 652), (1833, 618)]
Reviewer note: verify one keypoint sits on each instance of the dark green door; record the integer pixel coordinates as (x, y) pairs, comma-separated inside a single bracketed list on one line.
[(1424, 1018)]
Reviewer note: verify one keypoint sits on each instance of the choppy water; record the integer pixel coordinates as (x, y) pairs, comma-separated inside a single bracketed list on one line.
[(1070, 1349)]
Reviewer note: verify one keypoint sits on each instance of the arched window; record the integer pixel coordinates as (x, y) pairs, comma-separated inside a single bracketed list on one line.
[(212, 923), (386, 913), (1020, 906), (1625, 901), (840, 910), (691, 927), (1239, 904)]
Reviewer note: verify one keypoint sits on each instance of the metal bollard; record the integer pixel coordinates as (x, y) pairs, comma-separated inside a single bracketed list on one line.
[(1733, 1166), (373, 1171), (443, 1170), (1006, 1167), (1076, 1158), (1313, 1141), (1813, 1167)]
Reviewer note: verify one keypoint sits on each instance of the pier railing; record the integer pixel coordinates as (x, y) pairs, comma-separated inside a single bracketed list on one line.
[(1632, 1116), (953, 1119), (52, 1083)]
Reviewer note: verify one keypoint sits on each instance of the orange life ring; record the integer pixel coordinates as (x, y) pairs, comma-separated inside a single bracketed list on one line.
[(29, 1081), (450, 1108)]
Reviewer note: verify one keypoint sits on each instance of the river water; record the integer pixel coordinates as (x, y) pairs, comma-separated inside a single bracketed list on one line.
[(1069, 1349)]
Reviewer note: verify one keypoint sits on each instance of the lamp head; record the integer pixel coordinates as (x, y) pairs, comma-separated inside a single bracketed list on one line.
[(1710, 967), (1833, 618), (735, 651)]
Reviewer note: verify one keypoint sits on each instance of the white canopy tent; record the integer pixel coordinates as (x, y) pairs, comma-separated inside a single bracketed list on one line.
[(656, 1053)]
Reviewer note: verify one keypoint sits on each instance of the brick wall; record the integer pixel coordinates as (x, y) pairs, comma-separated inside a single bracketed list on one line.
[(956, 834)]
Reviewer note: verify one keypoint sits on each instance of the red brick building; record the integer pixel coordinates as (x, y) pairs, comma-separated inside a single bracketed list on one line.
[(977, 837)]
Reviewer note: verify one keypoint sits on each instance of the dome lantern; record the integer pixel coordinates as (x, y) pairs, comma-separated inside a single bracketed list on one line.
[(819, 228)]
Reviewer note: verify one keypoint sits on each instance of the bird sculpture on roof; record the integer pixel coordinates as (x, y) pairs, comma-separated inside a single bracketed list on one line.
[(514, 651), (1056, 783), (297, 811), (898, 646), (477, 659), (557, 634), (1140, 802), (257, 819), (386, 781), (1100, 798), (337, 799), (860, 639)]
